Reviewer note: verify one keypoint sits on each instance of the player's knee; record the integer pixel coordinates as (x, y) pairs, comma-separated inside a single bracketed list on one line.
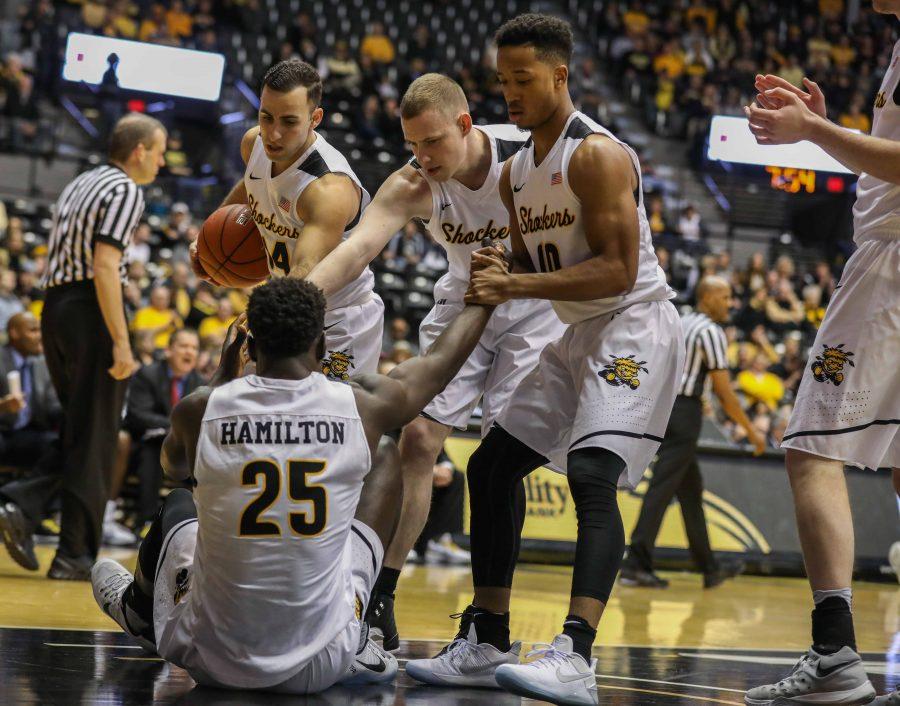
[(178, 507), (593, 476), (421, 441)]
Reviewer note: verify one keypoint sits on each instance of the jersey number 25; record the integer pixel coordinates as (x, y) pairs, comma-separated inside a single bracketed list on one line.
[(306, 523)]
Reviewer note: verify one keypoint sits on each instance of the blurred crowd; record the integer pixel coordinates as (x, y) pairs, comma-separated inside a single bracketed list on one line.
[(682, 62)]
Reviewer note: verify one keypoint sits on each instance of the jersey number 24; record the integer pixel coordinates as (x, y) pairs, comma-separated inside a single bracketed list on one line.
[(278, 258), (305, 523)]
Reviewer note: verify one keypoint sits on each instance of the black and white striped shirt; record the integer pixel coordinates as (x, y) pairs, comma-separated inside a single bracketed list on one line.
[(102, 205), (706, 350)]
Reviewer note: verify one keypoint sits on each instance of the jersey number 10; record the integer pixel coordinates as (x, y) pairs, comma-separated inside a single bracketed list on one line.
[(548, 257), (304, 523)]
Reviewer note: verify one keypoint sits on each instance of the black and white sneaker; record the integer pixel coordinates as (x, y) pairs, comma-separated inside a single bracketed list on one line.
[(818, 679), (372, 665), (110, 580), (382, 626)]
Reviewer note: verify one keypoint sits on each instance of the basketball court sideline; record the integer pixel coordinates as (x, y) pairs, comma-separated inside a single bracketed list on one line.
[(679, 646)]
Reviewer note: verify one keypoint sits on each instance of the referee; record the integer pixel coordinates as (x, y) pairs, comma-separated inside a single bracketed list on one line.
[(86, 336), (676, 472)]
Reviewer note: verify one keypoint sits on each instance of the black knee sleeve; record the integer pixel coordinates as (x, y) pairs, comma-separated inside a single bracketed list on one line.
[(176, 508), (497, 504), (593, 480)]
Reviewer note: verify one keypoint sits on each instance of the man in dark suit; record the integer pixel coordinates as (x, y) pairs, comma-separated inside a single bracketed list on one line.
[(151, 395), (29, 437)]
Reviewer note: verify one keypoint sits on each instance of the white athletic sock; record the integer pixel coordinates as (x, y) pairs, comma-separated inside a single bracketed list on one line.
[(845, 593)]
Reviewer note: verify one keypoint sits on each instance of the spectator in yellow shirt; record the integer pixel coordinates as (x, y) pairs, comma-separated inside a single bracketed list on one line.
[(159, 317), (670, 63), (843, 54), (152, 24), (377, 45), (854, 118), (636, 21), (759, 385), (179, 22), (213, 328)]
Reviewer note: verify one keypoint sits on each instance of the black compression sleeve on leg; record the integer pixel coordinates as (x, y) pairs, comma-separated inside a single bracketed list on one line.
[(497, 502), (593, 479), (177, 507)]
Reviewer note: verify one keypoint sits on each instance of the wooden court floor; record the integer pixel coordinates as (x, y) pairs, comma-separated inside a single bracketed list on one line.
[(679, 646)]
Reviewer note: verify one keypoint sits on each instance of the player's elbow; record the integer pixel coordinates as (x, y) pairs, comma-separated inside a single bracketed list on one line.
[(623, 276)]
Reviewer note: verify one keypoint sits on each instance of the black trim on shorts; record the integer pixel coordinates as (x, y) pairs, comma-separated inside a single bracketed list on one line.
[(369, 545), (168, 541), (616, 432), (832, 432)]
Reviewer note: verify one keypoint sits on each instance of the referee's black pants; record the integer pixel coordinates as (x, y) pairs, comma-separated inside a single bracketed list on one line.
[(676, 474), (78, 350)]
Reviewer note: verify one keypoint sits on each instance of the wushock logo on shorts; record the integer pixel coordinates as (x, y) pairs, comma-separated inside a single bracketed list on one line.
[(182, 584), (829, 365), (623, 370), (336, 365)]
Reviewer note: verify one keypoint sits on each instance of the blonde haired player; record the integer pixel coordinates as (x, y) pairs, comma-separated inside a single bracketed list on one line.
[(451, 185), (305, 197), (848, 406)]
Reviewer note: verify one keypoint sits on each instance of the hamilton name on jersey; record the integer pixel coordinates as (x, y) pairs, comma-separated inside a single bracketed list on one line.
[(456, 234), (307, 431), (547, 220), (269, 221)]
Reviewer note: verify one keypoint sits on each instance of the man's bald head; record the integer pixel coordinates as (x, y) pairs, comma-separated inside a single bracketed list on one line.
[(714, 297), (24, 333)]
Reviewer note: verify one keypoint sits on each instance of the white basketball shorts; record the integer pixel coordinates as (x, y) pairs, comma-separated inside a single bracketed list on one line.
[(362, 559), (508, 350), (353, 339), (609, 382), (848, 404)]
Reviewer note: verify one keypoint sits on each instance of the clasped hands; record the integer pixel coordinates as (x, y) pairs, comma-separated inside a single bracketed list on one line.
[(490, 277)]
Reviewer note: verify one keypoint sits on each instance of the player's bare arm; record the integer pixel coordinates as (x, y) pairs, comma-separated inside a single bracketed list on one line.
[(403, 196), (391, 401), (602, 177), (326, 207), (794, 121), (179, 449)]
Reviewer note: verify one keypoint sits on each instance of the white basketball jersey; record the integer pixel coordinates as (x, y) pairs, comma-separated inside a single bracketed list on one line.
[(273, 201), (280, 467), (549, 218), (461, 217), (876, 213)]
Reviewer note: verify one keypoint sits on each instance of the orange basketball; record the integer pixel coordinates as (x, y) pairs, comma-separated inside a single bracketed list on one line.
[(231, 249)]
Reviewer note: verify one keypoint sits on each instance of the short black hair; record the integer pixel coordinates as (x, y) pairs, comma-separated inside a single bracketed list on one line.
[(292, 73), (550, 36), (285, 316)]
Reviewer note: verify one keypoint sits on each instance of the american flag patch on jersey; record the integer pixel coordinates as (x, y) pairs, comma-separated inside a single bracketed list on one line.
[(285, 205), (555, 178)]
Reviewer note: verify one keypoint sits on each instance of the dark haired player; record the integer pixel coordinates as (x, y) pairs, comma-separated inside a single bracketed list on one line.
[(598, 402), (262, 575), (305, 197)]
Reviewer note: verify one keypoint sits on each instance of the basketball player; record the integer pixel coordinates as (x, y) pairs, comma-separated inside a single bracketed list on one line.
[(598, 402), (304, 196), (847, 409), (452, 186), (262, 576)]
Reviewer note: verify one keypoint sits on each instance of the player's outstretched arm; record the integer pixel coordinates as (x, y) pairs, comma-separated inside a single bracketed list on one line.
[(403, 196), (325, 207), (179, 449), (387, 402), (602, 177)]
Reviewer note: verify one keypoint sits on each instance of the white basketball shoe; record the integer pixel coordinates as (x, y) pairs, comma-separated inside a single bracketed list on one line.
[(464, 662), (110, 580), (372, 665), (558, 675), (818, 679)]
